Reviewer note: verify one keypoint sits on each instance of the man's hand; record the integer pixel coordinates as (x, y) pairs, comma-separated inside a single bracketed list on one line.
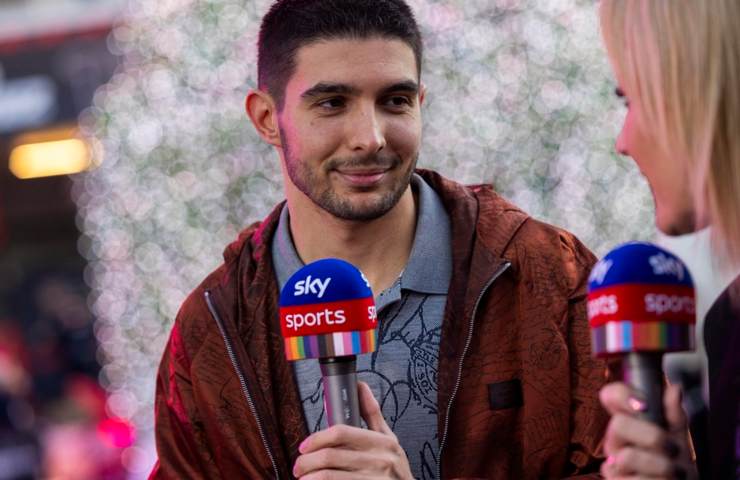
[(637, 449), (343, 452)]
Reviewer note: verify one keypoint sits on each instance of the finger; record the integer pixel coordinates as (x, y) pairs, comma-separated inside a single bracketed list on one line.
[(624, 430), (636, 477), (325, 459), (609, 472), (619, 398), (674, 413), (370, 410), (336, 475), (329, 475), (608, 469), (632, 477), (644, 463), (337, 459), (344, 436)]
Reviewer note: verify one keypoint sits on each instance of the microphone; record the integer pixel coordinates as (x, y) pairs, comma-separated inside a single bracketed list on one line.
[(641, 304), (327, 311)]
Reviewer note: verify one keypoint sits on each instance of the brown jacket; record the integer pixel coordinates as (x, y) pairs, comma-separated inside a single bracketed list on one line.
[(517, 385)]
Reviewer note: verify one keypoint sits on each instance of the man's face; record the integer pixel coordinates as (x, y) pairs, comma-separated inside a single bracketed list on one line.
[(350, 126)]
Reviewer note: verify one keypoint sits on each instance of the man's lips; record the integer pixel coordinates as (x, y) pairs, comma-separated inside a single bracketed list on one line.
[(363, 178)]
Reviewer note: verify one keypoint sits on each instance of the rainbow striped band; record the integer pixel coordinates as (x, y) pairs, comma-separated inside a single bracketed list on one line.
[(331, 344), (624, 337)]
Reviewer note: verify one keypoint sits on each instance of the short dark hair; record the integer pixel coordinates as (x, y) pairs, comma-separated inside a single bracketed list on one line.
[(292, 24)]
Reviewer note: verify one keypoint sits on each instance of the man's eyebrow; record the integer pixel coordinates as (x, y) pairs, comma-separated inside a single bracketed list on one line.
[(323, 88), (406, 86)]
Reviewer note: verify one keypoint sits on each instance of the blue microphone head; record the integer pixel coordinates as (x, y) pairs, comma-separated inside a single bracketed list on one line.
[(323, 281), (641, 298), (327, 309), (639, 263)]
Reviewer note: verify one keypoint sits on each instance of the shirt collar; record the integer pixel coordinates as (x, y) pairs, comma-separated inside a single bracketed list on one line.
[(429, 267)]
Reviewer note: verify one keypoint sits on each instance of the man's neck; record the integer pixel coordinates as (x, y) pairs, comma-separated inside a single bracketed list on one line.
[(380, 248)]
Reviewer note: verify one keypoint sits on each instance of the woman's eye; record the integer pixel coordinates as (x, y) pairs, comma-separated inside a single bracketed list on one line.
[(620, 94)]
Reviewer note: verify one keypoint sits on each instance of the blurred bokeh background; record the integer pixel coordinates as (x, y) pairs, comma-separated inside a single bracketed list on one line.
[(128, 164)]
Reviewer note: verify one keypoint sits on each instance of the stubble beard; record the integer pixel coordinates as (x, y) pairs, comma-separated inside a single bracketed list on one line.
[(327, 199)]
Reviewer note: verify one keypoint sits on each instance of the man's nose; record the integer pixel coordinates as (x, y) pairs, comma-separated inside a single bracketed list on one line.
[(365, 131)]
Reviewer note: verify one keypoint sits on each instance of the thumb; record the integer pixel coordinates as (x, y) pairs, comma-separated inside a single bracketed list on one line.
[(370, 409), (674, 413)]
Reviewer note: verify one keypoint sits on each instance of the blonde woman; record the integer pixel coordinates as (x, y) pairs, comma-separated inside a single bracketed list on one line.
[(677, 64)]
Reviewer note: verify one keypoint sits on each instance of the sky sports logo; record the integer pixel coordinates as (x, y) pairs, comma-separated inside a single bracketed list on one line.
[(664, 265), (311, 286), (325, 317), (661, 304), (656, 304), (315, 319), (603, 305), (600, 270)]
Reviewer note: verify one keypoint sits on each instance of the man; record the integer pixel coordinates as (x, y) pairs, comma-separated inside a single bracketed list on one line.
[(483, 365)]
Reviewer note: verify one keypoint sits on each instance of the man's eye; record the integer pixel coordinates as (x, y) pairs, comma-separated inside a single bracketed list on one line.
[(398, 101), (331, 103)]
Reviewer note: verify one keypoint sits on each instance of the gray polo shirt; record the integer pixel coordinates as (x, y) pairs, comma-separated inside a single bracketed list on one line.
[(402, 372)]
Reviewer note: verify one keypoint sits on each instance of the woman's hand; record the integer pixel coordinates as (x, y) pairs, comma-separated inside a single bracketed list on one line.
[(638, 449)]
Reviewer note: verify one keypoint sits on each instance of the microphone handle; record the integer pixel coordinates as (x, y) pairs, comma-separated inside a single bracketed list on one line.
[(339, 376), (644, 372)]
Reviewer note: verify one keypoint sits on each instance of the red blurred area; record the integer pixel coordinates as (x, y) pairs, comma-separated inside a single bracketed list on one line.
[(117, 432)]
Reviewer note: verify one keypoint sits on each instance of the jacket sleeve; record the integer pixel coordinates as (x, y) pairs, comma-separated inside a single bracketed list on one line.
[(180, 436), (588, 375)]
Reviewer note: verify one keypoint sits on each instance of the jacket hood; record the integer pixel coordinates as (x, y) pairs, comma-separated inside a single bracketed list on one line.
[(470, 207), (258, 234)]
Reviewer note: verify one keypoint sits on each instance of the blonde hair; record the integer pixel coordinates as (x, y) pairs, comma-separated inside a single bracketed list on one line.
[(682, 59)]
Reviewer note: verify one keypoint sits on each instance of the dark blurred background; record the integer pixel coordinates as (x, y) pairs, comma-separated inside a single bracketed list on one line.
[(53, 421)]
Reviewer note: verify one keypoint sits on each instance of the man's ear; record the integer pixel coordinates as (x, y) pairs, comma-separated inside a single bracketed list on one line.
[(262, 111), (422, 94)]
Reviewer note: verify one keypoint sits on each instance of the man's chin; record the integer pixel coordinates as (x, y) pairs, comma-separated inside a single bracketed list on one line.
[(359, 209), (360, 213)]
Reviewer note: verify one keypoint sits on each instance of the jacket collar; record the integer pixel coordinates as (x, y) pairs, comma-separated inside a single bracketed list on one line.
[(482, 224), (477, 208), (501, 219)]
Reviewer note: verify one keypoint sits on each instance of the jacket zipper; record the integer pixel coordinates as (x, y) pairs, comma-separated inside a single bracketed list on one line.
[(458, 381), (242, 381)]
